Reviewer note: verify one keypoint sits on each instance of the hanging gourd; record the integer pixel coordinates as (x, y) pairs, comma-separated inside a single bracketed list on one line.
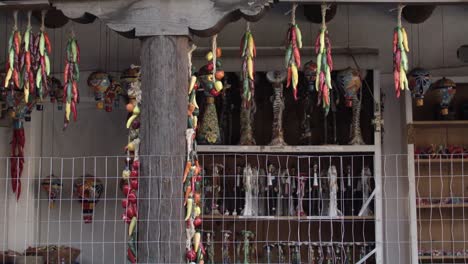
[(293, 56), (53, 186), (248, 53), (129, 180), (323, 82), (88, 191), (192, 178), (71, 76), (43, 61), (400, 57), (209, 77)]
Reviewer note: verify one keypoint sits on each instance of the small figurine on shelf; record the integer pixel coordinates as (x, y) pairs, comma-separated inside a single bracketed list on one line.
[(210, 80), (296, 253), (349, 80), (225, 248), (285, 199), (349, 255), (276, 78), (262, 188), (329, 258), (311, 254), (419, 81), (315, 193), (348, 202), (216, 185), (333, 188), (281, 255), (238, 200), (301, 182), (249, 185), (268, 249), (210, 247), (272, 194), (245, 247), (445, 90), (366, 177)]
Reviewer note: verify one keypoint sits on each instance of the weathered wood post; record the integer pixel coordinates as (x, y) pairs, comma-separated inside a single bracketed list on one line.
[(164, 28), (164, 64)]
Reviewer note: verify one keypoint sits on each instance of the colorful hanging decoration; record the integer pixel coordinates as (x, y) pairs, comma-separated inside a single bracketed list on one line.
[(323, 82), (53, 186), (55, 91), (88, 190), (27, 76), (445, 91), (419, 81), (129, 180), (112, 95), (192, 179), (210, 80), (248, 53), (14, 49), (293, 56), (99, 82), (71, 76), (43, 62), (400, 57)]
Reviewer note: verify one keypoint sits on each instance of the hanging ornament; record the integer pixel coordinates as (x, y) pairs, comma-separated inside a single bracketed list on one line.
[(88, 190), (53, 186), (210, 80), (13, 62), (323, 82), (99, 82), (248, 53), (55, 91), (71, 76), (419, 82), (444, 89), (43, 62), (192, 177), (129, 180), (400, 57), (293, 56)]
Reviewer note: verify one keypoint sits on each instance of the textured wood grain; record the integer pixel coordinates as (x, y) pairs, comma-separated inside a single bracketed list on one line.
[(164, 114)]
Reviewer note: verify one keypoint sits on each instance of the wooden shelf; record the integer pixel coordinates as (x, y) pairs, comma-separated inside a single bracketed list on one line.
[(442, 206), (454, 123), (286, 149), (438, 161), (443, 257), (286, 218)]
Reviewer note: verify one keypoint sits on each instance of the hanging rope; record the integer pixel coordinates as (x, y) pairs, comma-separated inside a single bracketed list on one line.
[(293, 14), (214, 47)]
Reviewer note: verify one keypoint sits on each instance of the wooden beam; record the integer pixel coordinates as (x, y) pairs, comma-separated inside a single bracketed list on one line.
[(165, 74)]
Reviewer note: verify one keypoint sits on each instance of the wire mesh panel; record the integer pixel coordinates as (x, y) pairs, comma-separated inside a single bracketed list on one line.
[(256, 208)]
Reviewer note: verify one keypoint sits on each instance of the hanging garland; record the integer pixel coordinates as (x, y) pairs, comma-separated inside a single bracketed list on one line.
[(14, 46), (43, 61), (400, 57), (248, 67), (293, 56), (323, 83), (129, 181), (71, 76), (192, 178), (27, 80)]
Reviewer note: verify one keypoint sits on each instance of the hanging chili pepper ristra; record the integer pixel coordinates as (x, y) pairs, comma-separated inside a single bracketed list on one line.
[(323, 83), (400, 57), (25, 63), (293, 56), (14, 48), (71, 76), (129, 181), (43, 71), (248, 53), (192, 177)]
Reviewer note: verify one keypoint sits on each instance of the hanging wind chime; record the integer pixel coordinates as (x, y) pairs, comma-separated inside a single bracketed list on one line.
[(323, 82), (293, 56), (129, 181), (192, 178), (400, 57), (248, 53), (71, 76)]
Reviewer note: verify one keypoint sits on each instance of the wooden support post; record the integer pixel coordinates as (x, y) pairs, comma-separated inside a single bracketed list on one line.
[(164, 63)]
